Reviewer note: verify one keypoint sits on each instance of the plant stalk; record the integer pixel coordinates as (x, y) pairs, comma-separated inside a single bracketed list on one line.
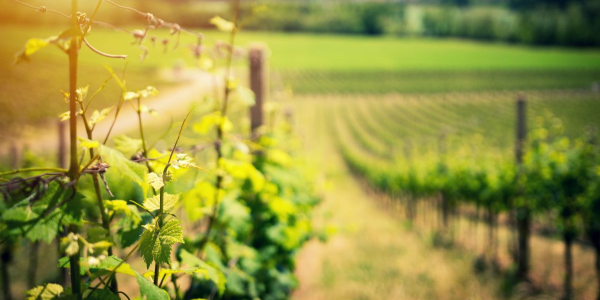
[(220, 128), (74, 163), (160, 224), (144, 148)]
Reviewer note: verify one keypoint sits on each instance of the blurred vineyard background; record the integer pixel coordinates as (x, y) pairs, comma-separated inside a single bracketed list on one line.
[(397, 104)]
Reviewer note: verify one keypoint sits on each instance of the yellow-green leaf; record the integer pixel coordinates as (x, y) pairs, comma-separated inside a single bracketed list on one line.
[(155, 181), (169, 202), (85, 143), (98, 116), (222, 24), (31, 47), (46, 292)]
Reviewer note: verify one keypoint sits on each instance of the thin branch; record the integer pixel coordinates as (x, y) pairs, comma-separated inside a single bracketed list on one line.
[(220, 130), (102, 53), (126, 7), (33, 170), (96, 93), (43, 9), (111, 26)]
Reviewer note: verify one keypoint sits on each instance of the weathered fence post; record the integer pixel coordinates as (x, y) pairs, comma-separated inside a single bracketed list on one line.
[(6, 251), (16, 155), (258, 84), (523, 212), (62, 153)]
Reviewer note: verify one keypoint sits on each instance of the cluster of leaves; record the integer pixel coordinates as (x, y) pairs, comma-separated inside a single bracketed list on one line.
[(248, 213), (263, 219)]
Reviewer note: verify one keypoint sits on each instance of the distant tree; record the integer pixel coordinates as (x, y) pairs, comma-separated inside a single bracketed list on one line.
[(529, 4), (461, 3)]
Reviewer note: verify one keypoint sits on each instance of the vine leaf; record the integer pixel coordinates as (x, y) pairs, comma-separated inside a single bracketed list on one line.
[(145, 93), (222, 24), (82, 93), (244, 95), (71, 244), (127, 145), (46, 292), (98, 116), (123, 166), (155, 181), (150, 291), (121, 207), (182, 160), (88, 144), (31, 47), (169, 202), (211, 120), (155, 245), (106, 266), (212, 273)]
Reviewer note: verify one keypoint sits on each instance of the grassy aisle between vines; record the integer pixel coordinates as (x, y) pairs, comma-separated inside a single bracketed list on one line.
[(373, 256)]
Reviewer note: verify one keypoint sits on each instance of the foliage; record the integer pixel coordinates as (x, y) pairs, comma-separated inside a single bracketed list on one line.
[(255, 198), (573, 24), (558, 176)]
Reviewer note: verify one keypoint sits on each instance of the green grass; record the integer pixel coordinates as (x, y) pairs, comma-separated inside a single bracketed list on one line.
[(358, 53), (427, 81), (309, 63)]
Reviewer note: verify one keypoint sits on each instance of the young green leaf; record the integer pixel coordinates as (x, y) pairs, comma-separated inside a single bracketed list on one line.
[(127, 145), (31, 47), (82, 93), (155, 245), (70, 244), (244, 95), (150, 291), (182, 160), (169, 201), (155, 181), (98, 116), (47, 292), (212, 273), (88, 144), (222, 24), (123, 166)]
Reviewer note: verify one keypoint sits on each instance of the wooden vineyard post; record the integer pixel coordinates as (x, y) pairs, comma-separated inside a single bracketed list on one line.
[(62, 145), (6, 248), (258, 84), (16, 155), (62, 157), (523, 210)]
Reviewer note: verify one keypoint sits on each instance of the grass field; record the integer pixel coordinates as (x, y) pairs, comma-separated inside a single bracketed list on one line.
[(308, 63)]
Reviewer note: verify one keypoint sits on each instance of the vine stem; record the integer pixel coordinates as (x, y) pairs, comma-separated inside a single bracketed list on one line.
[(220, 129), (160, 224), (144, 148), (59, 170), (162, 189), (104, 217), (74, 163)]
